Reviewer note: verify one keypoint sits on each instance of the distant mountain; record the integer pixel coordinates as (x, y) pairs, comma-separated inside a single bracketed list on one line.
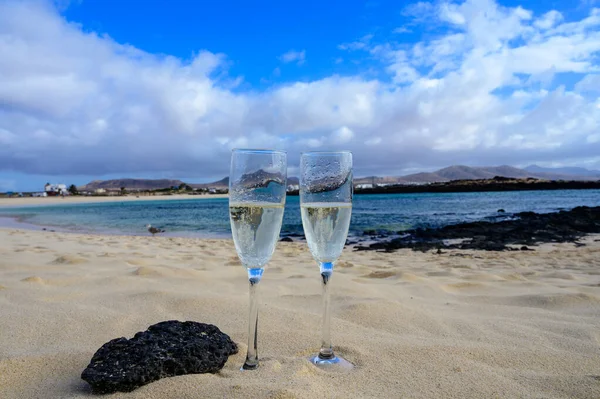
[(130, 184), (223, 183), (462, 172), (569, 170), (454, 172), (375, 180), (423, 177)]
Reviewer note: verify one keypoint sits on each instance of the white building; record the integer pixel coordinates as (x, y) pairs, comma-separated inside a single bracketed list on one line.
[(56, 189), (366, 185)]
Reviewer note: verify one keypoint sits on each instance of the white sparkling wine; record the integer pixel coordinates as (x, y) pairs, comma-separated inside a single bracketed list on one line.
[(255, 228), (326, 227)]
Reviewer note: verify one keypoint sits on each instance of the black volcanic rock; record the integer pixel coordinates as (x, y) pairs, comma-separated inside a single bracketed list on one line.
[(527, 229), (286, 239), (481, 185), (166, 349)]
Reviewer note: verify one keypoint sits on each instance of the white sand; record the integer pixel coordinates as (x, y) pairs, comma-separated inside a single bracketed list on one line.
[(37, 201), (478, 325)]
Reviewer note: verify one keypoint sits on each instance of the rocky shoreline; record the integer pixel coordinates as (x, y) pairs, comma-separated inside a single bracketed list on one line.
[(523, 230), (483, 185)]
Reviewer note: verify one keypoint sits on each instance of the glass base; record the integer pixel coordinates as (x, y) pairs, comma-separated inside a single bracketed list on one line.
[(335, 363), (249, 366)]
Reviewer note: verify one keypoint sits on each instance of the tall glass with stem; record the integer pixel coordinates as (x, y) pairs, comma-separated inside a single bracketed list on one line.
[(257, 187), (326, 207)]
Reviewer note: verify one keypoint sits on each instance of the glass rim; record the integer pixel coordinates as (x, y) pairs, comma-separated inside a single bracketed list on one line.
[(258, 151), (326, 152)]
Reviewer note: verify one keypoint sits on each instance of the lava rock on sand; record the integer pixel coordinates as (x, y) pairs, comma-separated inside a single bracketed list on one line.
[(166, 349), (525, 229)]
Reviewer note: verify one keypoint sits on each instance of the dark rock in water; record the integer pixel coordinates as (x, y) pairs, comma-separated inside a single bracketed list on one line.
[(501, 211), (166, 349), (526, 248), (294, 235), (529, 228), (286, 239), (378, 233)]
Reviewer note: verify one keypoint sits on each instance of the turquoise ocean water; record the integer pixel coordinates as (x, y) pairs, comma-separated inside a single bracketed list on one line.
[(209, 217)]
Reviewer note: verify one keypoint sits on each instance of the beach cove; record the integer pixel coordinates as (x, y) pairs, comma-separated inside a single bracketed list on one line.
[(206, 216)]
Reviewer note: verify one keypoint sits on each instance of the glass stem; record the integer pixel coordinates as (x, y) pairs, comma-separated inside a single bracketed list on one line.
[(326, 351), (251, 363)]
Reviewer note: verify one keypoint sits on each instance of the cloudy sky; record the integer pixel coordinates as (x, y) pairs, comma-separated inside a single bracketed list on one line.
[(102, 89)]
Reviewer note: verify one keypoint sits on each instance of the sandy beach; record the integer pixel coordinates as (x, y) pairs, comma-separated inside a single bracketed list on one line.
[(37, 201), (463, 324)]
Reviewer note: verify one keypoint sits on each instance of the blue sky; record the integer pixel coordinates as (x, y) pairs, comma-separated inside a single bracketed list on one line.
[(255, 35), (103, 89)]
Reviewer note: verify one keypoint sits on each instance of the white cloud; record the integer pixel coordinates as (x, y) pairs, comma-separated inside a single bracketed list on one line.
[(402, 29), (360, 44), (294, 56), (420, 10), (374, 141), (548, 20), (342, 135), (470, 95), (589, 3), (450, 13), (590, 83)]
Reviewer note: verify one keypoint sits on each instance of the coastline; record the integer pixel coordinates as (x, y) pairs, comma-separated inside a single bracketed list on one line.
[(12, 223), (493, 229), (70, 200), (8, 221)]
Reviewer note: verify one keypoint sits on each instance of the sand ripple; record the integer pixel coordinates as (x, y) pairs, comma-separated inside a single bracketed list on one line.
[(417, 325)]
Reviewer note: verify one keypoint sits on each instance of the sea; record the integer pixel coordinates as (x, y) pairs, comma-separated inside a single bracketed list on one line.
[(209, 218)]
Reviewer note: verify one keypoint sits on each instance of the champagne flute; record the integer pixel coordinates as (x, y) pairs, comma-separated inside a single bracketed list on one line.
[(326, 207), (257, 187)]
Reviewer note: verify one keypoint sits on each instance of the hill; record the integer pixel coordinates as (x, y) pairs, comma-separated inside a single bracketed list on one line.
[(376, 180), (422, 177), (130, 184), (570, 170), (219, 184), (450, 173), (462, 172)]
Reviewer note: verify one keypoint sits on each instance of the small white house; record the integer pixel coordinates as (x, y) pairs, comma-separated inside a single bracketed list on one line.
[(56, 189), (366, 185), (100, 191)]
